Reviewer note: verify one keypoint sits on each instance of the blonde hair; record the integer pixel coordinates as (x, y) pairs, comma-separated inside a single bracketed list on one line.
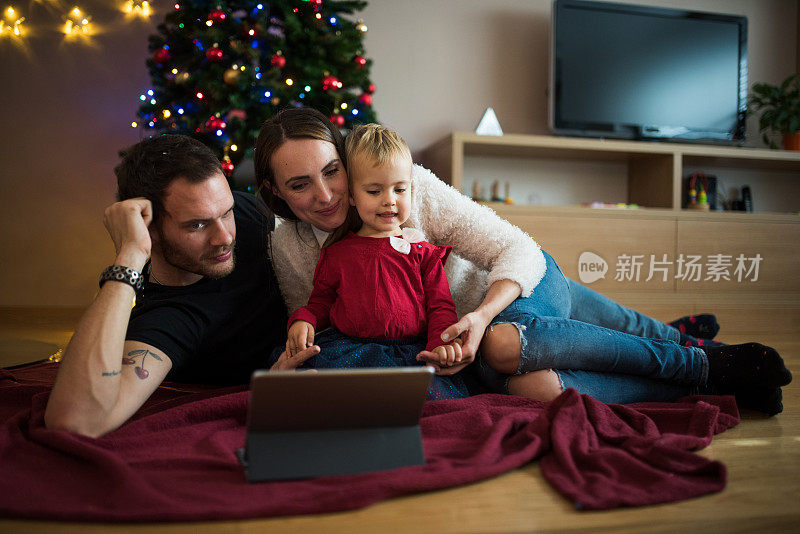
[(375, 142)]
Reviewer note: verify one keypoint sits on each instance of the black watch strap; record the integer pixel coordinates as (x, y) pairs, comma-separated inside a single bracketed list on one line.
[(126, 275)]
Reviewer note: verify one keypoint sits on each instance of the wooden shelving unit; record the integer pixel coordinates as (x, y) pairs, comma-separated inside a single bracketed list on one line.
[(655, 170), (654, 179)]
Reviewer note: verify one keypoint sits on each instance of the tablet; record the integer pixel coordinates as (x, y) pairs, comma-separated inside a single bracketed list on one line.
[(334, 421)]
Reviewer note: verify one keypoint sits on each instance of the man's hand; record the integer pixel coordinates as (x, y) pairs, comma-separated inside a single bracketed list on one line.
[(301, 336), (289, 363), (127, 223)]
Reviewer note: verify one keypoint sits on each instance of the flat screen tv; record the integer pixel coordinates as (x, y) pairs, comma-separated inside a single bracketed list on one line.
[(636, 72)]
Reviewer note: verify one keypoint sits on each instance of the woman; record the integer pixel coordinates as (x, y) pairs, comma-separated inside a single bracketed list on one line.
[(540, 340)]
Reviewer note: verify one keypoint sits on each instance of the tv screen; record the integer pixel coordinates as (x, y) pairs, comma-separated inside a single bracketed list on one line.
[(635, 72)]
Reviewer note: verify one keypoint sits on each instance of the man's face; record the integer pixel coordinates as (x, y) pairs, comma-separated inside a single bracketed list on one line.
[(197, 232)]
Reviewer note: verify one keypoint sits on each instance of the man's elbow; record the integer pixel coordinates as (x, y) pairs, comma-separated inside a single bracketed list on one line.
[(63, 420)]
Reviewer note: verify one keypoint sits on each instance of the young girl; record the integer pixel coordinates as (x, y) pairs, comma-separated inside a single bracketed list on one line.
[(380, 287)]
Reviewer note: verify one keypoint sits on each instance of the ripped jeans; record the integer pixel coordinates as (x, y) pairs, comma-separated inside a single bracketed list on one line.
[(600, 348)]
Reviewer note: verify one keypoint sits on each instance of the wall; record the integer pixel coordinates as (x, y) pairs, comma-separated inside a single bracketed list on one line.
[(437, 65)]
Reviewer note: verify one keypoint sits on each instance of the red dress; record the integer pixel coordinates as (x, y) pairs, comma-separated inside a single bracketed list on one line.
[(366, 288)]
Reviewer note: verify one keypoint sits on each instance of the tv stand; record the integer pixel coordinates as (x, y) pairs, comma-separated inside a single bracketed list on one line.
[(659, 227)]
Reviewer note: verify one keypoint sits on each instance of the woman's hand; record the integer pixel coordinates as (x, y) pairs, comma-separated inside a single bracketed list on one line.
[(470, 331)]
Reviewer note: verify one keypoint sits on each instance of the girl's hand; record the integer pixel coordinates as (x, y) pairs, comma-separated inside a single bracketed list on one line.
[(443, 355), (301, 336)]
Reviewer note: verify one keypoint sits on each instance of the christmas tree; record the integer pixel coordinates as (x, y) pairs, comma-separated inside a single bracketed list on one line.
[(220, 68)]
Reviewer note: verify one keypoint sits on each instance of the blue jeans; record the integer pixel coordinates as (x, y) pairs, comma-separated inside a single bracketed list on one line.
[(597, 346)]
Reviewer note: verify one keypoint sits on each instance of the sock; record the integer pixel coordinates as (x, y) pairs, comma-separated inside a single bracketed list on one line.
[(739, 367), (688, 341), (761, 399), (702, 325)]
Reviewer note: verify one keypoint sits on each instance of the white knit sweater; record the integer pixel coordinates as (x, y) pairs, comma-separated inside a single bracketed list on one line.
[(486, 248)]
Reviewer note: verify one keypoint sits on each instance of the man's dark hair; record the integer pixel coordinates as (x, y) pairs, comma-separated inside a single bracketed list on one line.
[(150, 166)]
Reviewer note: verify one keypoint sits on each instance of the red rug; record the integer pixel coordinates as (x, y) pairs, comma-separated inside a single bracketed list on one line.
[(175, 461)]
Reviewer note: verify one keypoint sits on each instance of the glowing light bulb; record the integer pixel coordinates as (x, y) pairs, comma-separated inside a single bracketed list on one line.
[(166, 114), (219, 133), (307, 88), (142, 98), (177, 6), (140, 8), (153, 101), (344, 105), (318, 16), (13, 23), (234, 66), (355, 112), (209, 23), (150, 92), (180, 111), (234, 148), (251, 32), (78, 24), (174, 71), (134, 125), (199, 94), (289, 81), (267, 94)]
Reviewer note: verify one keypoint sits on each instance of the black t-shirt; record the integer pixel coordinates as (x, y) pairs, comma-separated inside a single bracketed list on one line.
[(218, 331)]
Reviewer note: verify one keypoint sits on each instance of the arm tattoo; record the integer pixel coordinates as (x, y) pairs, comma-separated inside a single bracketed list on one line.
[(111, 373), (130, 359)]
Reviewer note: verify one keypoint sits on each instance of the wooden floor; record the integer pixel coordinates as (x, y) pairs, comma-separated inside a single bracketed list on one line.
[(762, 455)]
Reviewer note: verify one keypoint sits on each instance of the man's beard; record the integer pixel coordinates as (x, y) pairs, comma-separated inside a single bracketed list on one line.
[(205, 266)]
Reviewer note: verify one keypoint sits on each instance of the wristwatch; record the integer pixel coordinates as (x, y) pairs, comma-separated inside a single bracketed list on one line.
[(126, 275)]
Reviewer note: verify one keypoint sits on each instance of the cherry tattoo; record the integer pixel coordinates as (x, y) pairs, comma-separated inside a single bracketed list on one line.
[(141, 372)]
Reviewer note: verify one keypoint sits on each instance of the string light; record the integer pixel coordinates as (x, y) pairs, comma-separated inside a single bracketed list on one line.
[(139, 8), (166, 114), (289, 81), (344, 105), (12, 24), (77, 24), (234, 148), (134, 125), (361, 26)]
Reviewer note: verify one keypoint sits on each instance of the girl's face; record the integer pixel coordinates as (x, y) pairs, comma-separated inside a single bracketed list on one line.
[(310, 178), (381, 195)]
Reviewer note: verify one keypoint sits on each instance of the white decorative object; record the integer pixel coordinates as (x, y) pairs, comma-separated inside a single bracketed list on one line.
[(403, 244), (489, 124)]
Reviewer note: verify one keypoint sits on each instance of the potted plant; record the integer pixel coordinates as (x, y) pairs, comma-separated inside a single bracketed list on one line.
[(780, 107)]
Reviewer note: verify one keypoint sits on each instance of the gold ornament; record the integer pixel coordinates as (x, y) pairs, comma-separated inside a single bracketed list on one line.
[(231, 76), (275, 101)]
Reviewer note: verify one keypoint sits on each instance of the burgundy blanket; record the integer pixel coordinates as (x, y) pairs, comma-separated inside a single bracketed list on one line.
[(175, 461)]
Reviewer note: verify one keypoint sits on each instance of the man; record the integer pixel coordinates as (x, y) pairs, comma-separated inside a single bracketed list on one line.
[(208, 309)]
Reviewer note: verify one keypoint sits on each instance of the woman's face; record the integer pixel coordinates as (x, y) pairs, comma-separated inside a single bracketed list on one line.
[(310, 178)]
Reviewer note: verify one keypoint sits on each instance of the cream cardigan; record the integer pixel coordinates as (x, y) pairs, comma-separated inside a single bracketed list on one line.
[(486, 248)]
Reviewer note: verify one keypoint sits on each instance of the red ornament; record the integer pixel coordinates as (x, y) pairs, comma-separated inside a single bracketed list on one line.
[(227, 166), (217, 15), (236, 114), (316, 4), (361, 61), (365, 99), (214, 54), (215, 123), (337, 120), (370, 88), (161, 56), (278, 61), (330, 82)]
